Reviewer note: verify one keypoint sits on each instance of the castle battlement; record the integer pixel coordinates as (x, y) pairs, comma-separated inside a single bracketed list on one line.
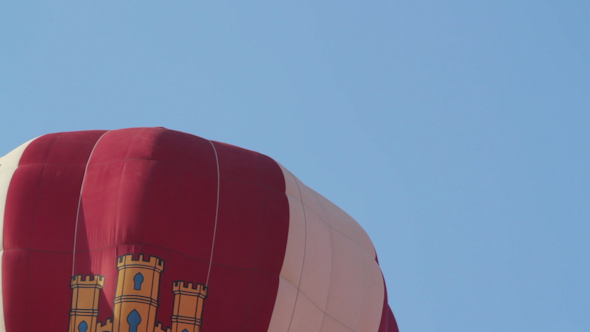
[(106, 327), (128, 261), (160, 328), (96, 281), (107, 322), (179, 287)]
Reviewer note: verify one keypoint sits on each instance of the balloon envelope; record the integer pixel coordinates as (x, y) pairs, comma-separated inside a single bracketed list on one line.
[(149, 229)]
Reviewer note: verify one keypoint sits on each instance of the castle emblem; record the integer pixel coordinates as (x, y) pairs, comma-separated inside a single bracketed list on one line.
[(136, 300)]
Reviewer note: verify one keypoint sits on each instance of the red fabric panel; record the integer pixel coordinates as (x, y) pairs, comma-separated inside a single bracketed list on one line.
[(388, 323), (15, 288), (39, 225), (148, 191)]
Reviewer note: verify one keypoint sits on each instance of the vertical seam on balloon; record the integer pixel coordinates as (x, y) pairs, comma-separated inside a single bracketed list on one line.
[(214, 231), (331, 256), (256, 253), (216, 214), (80, 202), (304, 252), (32, 227), (250, 290), (364, 296)]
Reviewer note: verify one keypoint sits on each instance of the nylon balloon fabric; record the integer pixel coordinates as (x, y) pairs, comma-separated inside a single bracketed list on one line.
[(150, 229)]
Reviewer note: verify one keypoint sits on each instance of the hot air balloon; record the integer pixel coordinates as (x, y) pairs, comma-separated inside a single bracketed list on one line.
[(150, 229)]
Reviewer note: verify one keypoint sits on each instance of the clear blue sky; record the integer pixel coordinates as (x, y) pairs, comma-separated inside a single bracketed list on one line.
[(456, 132)]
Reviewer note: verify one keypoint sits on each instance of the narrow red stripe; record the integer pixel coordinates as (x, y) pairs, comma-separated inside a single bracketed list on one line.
[(388, 322)]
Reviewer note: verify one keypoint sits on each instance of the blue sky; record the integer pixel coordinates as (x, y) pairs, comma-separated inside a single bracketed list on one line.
[(455, 132)]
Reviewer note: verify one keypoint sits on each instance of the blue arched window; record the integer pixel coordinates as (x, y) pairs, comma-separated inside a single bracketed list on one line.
[(83, 326), (133, 319), (138, 279), (185, 330)]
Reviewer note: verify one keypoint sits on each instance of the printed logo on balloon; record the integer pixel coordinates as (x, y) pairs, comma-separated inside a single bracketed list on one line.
[(136, 300)]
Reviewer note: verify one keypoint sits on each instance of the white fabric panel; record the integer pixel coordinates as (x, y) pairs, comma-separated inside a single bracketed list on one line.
[(346, 284), (317, 268), (8, 165), (293, 262), (330, 281), (374, 289), (342, 222), (284, 306)]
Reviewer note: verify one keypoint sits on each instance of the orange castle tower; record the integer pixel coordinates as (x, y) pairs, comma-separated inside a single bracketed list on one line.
[(85, 294), (138, 288), (188, 307)]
